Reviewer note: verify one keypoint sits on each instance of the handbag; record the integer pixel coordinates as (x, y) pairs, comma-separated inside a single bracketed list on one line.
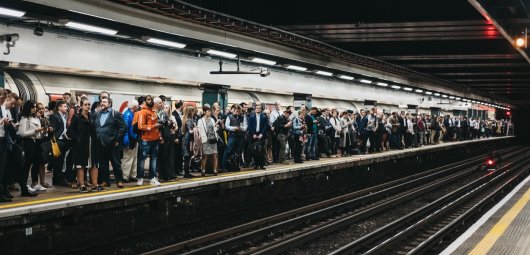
[(56, 151)]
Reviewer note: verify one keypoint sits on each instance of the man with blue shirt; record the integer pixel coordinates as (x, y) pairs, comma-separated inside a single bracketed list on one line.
[(110, 130)]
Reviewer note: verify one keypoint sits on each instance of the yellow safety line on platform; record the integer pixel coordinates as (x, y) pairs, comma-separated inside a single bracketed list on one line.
[(94, 194), (485, 245)]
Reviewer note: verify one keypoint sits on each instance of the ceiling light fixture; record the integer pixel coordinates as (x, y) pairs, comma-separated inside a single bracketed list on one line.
[(365, 81), (458, 98), (428, 92), (221, 53), (395, 87), (90, 28), (382, 84), (263, 61), (11, 12), (297, 68), (407, 89), (437, 94), (346, 77), (444, 96), (418, 91), (324, 73), (166, 43), (451, 97)]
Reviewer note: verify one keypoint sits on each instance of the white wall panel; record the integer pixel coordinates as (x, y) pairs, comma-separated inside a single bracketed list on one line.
[(54, 50)]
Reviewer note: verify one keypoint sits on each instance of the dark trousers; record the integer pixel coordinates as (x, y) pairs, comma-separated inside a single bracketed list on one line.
[(394, 140), (32, 158), (247, 155), (14, 168), (106, 155), (3, 163), (297, 150), (57, 163), (275, 148), (179, 158)]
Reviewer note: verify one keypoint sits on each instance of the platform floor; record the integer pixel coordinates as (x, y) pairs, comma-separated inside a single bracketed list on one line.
[(61, 197), (505, 229)]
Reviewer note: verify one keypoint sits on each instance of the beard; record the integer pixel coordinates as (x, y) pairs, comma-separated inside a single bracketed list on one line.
[(150, 104)]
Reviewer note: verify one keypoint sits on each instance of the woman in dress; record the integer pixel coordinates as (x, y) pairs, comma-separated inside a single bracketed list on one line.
[(208, 131), (82, 133), (166, 156)]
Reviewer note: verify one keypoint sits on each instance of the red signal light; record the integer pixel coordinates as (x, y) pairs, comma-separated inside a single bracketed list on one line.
[(490, 162), (508, 113)]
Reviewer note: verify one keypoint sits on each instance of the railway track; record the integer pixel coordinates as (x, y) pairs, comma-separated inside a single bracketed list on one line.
[(281, 232), (426, 228)]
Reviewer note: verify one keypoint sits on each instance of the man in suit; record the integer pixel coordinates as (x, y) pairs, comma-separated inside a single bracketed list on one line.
[(110, 129), (58, 124), (177, 113), (257, 130)]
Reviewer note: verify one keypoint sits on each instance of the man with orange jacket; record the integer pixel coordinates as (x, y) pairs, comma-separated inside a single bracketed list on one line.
[(149, 138)]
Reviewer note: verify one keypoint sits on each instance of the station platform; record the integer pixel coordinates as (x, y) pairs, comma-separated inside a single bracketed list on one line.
[(504, 229), (62, 197), (142, 218)]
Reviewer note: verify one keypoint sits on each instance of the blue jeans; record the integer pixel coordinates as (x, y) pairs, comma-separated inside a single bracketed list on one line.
[(146, 149), (311, 148), (234, 146)]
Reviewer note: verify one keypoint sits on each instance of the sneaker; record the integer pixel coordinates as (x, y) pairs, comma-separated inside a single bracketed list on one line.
[(30, 189), (83, 189), (99, 188), (38, 187), (140, 182), (154, 182)]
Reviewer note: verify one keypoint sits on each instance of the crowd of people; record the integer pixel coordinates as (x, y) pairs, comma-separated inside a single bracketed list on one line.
[(77, 140)]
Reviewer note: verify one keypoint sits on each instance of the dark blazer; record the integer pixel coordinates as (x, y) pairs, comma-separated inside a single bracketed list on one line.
[(363, 123), (263, 125), (57, 123), (111, 131)]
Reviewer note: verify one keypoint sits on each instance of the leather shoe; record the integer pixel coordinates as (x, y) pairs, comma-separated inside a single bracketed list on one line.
[(27, 193), (120, 185), (188, 176), (7, 195), (4, 199)]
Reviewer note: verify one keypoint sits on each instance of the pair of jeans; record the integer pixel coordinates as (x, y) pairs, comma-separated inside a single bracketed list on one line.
[(147, 149), (234, 146), (311, 147)]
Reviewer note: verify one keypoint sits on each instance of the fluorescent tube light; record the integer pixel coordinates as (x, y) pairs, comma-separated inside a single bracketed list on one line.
[(428, 92), (445, 96), (263, 61), (324, 73), (365, 81), (458, 98), (451, 97), (407, 89), (396, 87), (166, 43), (90, 28), (11, 12), (346, 77), (382, 84), (221, 53), (419, 90), (297, 68), (437, 94)]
